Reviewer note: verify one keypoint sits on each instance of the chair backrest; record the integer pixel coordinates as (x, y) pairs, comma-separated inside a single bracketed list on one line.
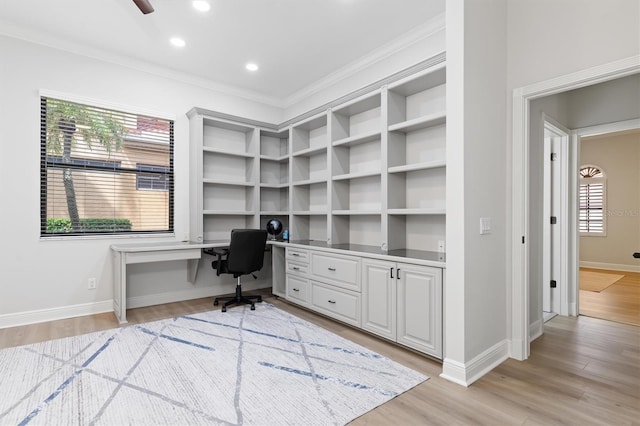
[(246, 251)]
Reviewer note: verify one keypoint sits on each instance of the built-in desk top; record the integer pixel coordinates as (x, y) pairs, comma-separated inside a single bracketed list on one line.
[(430, 258)]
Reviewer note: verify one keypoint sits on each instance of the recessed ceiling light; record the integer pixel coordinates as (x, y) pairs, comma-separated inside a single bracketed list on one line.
[(177, 42), (251, 66), (201, 5)]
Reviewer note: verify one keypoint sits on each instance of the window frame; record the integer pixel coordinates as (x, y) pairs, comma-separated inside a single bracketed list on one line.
[(43, 94), (582, 181)]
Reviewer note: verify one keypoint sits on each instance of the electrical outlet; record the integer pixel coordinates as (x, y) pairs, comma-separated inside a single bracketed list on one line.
[(91, 284), (441, 246)]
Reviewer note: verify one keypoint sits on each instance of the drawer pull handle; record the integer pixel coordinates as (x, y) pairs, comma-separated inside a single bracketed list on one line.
[(295, 254), (295, 268), (331, 269), (398, 273), (391, 269), (331, 301), (296, 289)]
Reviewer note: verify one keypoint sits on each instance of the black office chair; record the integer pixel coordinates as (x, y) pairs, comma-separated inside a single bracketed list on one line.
[(244, 256)]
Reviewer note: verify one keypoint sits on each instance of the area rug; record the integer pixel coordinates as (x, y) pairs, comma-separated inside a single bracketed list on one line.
[(597, 281), (242, 367)]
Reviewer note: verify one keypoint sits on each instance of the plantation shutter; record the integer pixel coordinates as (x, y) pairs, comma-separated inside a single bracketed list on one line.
[(591, 199), (104, 172)]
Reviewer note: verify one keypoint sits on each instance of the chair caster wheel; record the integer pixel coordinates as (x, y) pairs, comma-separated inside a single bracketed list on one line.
[(224, 309), (253, 307), (215, 303)]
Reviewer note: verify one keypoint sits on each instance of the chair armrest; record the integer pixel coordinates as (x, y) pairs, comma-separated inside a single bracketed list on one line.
[(219, 252)]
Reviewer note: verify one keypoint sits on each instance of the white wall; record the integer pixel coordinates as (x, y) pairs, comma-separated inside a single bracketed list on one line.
[(52, 275), (619, 157), (475, 291), (551, 38)]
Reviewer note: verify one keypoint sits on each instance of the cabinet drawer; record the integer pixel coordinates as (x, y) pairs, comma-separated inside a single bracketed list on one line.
[(342, 271), (297, 268), (298, 255), (342, 305), (298, 289)]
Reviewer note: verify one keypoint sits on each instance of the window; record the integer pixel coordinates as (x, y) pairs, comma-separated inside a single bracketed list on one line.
[(152, 178), (104, 172), (592, 201)]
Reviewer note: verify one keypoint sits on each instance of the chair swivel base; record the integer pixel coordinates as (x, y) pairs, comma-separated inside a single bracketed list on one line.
[(238, 299)]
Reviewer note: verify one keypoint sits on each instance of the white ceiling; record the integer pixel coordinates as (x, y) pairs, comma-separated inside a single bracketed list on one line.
[(295, 42)]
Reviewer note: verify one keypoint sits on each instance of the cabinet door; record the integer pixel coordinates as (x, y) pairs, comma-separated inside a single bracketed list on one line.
[(379, 297), (420, 308)]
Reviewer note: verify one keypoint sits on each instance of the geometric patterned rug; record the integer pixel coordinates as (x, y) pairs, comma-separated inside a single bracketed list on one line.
[(242, 367)]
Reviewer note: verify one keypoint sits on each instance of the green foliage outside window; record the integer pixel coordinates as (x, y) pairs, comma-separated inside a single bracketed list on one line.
[(61, 225)]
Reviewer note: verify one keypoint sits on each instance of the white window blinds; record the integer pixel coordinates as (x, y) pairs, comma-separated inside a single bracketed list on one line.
[(104, 171), (591, 201)]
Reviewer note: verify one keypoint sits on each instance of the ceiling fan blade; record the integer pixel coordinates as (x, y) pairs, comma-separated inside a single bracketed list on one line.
[(144, 6)]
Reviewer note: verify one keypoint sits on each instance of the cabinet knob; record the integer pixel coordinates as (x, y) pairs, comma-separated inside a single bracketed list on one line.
[(331, 269), (331, 301)]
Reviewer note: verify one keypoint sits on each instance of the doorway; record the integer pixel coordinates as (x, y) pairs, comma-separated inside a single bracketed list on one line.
[(609, 280), (523, 307)]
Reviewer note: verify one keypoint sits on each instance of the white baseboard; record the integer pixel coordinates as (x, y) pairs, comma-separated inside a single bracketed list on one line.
[(169, 297), (467, 373), (573, 311), (72, 311), (535, 330), (53, 314), (611, 266), (179, 296)]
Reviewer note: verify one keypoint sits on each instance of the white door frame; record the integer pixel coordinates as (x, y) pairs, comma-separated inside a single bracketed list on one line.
[(522, 97), (561, 253)]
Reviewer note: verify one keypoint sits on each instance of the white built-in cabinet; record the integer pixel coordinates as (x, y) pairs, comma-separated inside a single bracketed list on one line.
[(367, 174), (368, 171), (403, 302)]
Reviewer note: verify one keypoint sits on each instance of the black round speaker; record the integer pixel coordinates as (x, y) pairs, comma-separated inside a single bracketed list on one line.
[(274, 228)]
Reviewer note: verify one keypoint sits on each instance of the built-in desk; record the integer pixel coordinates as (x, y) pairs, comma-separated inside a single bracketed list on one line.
[(131, 253)]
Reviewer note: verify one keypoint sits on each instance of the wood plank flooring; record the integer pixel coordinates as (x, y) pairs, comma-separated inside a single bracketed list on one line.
[(619, 302), (582, 371)]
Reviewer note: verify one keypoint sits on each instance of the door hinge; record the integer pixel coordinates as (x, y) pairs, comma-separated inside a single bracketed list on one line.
[(553, 284), (554, 156), (554, 220)]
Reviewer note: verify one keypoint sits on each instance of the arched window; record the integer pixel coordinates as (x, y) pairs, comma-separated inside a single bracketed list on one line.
[(592, 200)]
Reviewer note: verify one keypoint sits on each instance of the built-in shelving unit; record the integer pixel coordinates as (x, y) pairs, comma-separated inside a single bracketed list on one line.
[(309, 174), (416, 160), (357, 201), (368, 171), (274, 176)]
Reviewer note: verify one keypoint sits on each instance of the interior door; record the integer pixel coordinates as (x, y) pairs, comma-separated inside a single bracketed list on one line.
[(553, 223)]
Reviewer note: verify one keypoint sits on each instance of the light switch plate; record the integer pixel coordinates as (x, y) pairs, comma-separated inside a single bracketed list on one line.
[(485, 225)]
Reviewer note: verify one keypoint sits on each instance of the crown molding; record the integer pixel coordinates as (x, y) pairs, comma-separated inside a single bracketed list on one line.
[(36, 37), (416, 35), (437, 60), (426, 30)]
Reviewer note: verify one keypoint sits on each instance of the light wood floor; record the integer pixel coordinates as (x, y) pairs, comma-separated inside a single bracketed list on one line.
[(582, 371), (619, 302)]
